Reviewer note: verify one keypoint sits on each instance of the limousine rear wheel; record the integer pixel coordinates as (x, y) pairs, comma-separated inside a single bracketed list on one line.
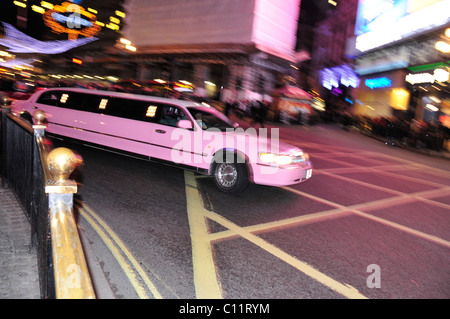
[(231, 177)]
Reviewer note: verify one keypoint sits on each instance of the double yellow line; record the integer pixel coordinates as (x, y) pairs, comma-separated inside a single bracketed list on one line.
[(121, 253)]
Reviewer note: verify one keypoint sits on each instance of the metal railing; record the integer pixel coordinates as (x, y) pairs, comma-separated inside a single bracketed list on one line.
[(39, 177)]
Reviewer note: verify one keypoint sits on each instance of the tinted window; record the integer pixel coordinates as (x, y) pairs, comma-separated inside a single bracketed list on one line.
[(209, 118), (120, 107), (132, 109), (170, 115), (50, 98), (74, 100), (83, 102)]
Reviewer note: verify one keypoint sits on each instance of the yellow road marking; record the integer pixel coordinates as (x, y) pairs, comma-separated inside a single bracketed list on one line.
[(205, 277), (94, 220), (204, 268), (345, 290), (282, 224), (123, 264), (338, 212), (405, 229)]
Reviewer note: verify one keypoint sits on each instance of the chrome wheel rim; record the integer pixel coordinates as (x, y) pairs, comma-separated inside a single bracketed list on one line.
[(226, 174)]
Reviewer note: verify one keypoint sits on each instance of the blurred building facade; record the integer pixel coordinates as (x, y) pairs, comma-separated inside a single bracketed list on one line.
[(379, 59), (229, 49), (332, 72), (311, 13), (401, 72)]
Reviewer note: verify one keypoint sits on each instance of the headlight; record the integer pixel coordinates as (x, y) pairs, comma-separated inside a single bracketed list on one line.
[(300, 157), (297, 157), (270, 158), (283, 159), (267, 157)]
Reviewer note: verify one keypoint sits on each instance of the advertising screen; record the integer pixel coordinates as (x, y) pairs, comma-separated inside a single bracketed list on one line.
[(373, 14), (380, 22)]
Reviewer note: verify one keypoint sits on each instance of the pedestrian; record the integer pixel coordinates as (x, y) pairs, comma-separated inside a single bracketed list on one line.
[(254, 111), (241, 109), (228, 107), (390, 132), (262, 110)]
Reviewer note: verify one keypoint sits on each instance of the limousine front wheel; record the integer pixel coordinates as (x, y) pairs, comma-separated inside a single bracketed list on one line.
[(230, 177)]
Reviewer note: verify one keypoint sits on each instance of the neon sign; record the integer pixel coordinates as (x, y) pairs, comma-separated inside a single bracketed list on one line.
[(339, 75), (376, 83), (72, 19), (439, 75), (19, 42)]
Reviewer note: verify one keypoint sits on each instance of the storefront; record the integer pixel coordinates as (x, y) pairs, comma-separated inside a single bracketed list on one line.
[(291, 105), (396, 57), (382, 95), (420, 92), (236, 51), (429, 87)]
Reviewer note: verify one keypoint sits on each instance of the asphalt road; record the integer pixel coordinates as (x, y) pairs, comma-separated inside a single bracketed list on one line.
[(372, 222)]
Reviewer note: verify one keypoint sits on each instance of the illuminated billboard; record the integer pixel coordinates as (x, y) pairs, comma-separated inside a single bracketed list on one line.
[(381, 22), (271, 25)]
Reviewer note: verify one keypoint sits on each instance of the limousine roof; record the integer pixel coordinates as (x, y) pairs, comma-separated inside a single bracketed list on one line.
[(125, 95)]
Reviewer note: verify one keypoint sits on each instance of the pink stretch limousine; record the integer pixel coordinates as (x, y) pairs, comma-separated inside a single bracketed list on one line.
[(185, 133)]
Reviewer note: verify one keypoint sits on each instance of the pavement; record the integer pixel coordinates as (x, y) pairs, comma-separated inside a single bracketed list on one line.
[(19, 277), (420, 150)]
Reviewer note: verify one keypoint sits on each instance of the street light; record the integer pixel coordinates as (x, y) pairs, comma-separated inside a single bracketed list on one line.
[(444, 45), (126, 44), (125, 41)]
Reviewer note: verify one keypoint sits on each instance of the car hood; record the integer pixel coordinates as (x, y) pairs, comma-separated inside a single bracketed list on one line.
[(263, 142)]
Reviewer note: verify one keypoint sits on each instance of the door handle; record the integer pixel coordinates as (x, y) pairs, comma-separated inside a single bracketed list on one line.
[(160, 131)]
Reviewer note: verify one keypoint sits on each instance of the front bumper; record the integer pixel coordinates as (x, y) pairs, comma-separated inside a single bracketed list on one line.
[(279, 175)]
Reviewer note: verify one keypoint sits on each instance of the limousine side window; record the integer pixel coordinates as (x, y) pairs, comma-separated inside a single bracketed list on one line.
[(132, 109), (81, 101), (51, 98), (72, 100), (170, 115), (121, 107)]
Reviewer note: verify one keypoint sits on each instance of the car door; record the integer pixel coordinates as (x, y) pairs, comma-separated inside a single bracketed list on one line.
[(174, 144), (53, 103), (126, 124), (73, 114)]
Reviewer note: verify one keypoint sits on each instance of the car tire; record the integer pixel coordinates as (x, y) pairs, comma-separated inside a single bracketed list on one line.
[(230, 177)]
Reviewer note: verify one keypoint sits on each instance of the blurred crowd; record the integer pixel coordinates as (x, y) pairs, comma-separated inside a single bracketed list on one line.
[(412, 133), (255, 110)]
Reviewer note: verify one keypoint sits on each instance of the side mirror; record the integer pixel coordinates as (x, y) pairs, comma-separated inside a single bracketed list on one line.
[(186, 124)]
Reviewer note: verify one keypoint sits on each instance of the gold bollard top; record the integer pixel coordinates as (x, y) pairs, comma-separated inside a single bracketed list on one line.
[(40, 120), (61, 163), (39, 117)]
